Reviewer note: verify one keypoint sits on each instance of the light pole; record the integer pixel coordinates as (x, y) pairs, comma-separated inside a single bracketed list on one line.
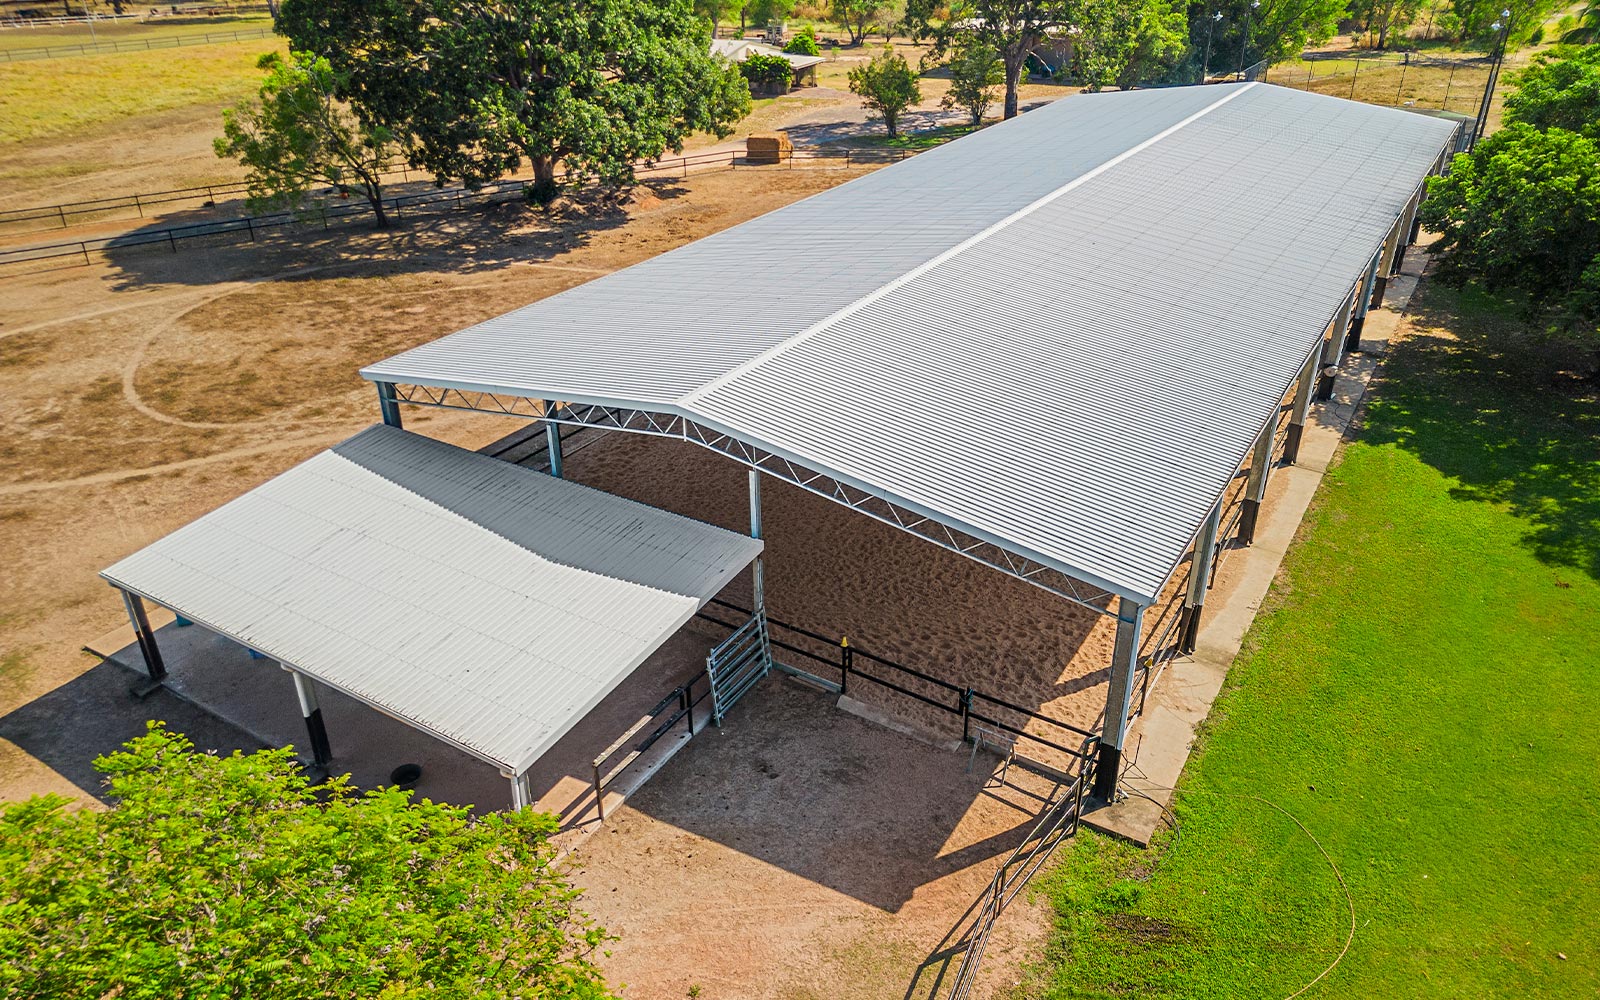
[(1503, 26), (1205, 67), (1255, 5)]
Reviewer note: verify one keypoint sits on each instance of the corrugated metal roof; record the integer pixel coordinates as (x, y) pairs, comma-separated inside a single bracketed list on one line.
[(1106, 297), (483, 603)]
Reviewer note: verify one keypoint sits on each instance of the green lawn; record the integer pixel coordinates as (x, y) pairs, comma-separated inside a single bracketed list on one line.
[(1422, 693)]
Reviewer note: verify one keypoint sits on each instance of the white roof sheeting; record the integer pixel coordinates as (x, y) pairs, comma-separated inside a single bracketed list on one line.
[(1061, 333), (483, 603)]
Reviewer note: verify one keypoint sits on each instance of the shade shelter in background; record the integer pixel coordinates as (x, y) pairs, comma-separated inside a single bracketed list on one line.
[(1050, 345), (487, 605)]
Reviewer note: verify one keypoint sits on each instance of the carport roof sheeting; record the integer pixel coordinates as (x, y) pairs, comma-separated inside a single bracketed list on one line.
[(1060, 334), (488, 605)]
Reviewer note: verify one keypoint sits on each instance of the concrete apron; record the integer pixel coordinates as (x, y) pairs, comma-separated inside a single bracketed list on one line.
[(1162, 737)]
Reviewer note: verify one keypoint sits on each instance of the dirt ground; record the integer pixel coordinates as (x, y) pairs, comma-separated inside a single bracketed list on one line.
[(255, 351)]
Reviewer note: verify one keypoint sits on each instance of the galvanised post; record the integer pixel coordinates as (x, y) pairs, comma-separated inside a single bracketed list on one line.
[(388, 404), (145, 636), (552, 441), (1205, 551), (1255, 490), (311, 711), (758, 590), (1119, 698)]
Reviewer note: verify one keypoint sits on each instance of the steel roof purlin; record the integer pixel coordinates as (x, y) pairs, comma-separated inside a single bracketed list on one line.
[(1108, 297)]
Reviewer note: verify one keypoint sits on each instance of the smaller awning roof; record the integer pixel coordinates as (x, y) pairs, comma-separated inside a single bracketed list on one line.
[(488, 605)]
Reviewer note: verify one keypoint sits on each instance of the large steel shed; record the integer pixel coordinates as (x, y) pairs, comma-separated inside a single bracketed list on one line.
[(486, 605)]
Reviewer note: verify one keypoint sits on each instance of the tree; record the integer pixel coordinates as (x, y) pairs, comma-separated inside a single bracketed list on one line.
[(298, 135), (887, 85), (480, 87), (804, 42), (1380, 18), (1587, 29), (231, 876), (858, 16), (1281, 29), (1012, 28), (764, 12), (1560, 90), (1474, 20), (975, 72), (1521, 214), (715, 10), (1128, 42)]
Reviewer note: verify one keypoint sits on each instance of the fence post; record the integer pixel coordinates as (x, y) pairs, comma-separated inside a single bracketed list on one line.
[(63, 213), (599, 794), (686, 699), (140, 207), (250, 225), (846, 658), (85, 248), (966, 715)]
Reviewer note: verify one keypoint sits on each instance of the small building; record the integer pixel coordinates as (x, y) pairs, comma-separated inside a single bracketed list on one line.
[(737, 50)]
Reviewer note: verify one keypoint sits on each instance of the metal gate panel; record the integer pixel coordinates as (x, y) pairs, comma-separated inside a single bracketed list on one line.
[(737, 663)]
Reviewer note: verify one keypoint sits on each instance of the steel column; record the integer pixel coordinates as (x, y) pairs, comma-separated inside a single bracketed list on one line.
[(1406, 233), (758, 585), (1255, 490), (552, 441), (1364, 304), (1380, 283), (1201, 562), (321, 753), (1299, 411), (145, 636), (520, 799), (388, 404), (1333, 347), (1119, 698)]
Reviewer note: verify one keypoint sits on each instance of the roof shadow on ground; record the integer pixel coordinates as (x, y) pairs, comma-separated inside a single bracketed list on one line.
[(473, 238), (94, 714), (798, 784), (1503, 415)]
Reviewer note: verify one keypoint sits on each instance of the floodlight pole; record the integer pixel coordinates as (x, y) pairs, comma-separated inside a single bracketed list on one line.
[(758, 579), (1244, 41), (1205, 64), (1119, 699), (1255, 490), (1201, 562), (1504, 27)]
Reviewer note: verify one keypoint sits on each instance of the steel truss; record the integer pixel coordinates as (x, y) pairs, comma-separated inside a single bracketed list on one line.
[(667, 425)]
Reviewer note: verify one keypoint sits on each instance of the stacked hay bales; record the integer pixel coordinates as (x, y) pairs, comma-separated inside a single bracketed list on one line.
[(768, 147)]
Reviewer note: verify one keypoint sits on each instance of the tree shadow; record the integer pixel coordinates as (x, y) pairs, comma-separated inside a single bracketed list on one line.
[(1473, 395), (474, 234)]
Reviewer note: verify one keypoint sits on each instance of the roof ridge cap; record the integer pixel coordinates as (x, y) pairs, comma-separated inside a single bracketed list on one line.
[(794, 340)]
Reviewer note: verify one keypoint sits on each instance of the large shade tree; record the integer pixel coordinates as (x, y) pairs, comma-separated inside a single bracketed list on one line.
[(232, 877), (482, 87), (1012, 28), (1560, 90)]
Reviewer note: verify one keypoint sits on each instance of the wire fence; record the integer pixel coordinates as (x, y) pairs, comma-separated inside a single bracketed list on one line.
[(251, 228), (94, 48)]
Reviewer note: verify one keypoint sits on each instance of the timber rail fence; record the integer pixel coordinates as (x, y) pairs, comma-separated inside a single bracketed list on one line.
[(249, 228), (94, 48)]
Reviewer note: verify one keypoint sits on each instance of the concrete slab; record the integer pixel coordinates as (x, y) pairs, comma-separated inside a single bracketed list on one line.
[(258, 697), (1163, 735)]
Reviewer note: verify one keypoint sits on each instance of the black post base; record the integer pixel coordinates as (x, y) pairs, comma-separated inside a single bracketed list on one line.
[(1399, 258), (1108, 761), (1325, 386), (1416, 229), (145, 689), (321, 752), (1379, 286), (1248, 516), (1352, 339), (1189, 628), (1291, 442)]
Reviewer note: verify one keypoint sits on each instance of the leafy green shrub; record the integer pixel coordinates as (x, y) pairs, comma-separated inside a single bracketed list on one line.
[(232, 877), (767, 72), (804, 43)]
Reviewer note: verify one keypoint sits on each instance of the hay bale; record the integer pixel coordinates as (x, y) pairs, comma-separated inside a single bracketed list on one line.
[(768, 147)]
